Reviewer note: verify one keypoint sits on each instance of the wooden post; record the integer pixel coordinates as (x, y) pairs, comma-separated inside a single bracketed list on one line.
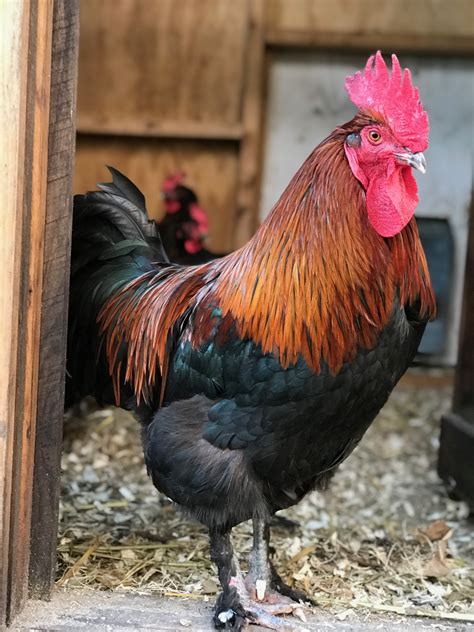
[(14, 28), (464, 384), (34, 154), (455, 465), (31, 283), (53, 336)]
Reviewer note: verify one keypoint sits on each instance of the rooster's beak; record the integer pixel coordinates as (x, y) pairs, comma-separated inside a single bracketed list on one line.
[(414, 160)]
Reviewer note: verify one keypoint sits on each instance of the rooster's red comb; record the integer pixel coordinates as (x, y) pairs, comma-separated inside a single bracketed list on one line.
[(393, 97), (172, 181)]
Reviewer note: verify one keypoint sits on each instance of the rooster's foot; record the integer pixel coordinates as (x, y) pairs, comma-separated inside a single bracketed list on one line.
[(258, 598), (236, 608)]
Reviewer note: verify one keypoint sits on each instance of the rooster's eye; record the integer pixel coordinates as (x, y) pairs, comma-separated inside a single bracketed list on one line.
[(375, 137)]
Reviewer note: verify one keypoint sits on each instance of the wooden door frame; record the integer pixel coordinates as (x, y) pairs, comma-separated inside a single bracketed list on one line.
[(39, 69), (456, 447)]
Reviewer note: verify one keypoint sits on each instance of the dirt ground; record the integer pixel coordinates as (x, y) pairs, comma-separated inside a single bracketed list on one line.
[(384, 541), (117, 612)]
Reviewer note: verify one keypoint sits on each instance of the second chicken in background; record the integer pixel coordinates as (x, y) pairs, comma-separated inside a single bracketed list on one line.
[(185, 226)]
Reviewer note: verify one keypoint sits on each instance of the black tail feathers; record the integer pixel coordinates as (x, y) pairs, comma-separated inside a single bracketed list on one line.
[(113, 242), (116, 213)]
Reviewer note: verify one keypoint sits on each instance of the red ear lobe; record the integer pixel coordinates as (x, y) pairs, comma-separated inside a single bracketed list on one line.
[(351, 155)]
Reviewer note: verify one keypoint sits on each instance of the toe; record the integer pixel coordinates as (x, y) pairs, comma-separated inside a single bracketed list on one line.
[(292, 593), (265, 616)]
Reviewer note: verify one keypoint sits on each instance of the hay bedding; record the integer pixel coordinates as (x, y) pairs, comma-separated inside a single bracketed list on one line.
[(385, 536)]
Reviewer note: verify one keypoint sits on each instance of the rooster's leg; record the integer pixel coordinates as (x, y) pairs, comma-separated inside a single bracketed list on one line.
[(263, 582), (229, 611), (259, 576), (235, 608)]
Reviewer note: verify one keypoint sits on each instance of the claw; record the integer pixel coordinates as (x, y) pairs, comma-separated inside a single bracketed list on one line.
[(261, 587)]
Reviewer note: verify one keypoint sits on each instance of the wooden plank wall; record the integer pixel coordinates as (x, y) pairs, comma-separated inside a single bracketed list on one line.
[(174, 64), (168, 85), (211, 168), (172, 76)]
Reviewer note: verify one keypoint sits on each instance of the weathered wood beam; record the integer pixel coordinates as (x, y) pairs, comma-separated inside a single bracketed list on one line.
[(52, 359), (154, 129), (428, 44), (31, 284), (14, 33)]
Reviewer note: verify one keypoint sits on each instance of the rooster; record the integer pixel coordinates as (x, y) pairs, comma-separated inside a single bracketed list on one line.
[(185, 226), (255, 375)]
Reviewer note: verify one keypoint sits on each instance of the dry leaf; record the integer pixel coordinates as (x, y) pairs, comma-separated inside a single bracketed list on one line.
[(437, 566), (307, 550), (437, 530)]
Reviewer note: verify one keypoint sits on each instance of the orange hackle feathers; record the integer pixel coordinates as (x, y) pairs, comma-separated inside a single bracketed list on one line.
[(315, 281)]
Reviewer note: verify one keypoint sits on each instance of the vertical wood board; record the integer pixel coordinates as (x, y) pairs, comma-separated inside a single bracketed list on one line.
[(14, 25), (464, 382), (29, 313), (46, 482)]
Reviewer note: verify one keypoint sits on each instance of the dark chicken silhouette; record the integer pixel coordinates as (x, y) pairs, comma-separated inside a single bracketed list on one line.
[(255, 375), (184, 228)]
